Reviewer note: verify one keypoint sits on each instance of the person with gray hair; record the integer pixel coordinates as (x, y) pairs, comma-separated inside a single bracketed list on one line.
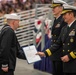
[(9, 45)]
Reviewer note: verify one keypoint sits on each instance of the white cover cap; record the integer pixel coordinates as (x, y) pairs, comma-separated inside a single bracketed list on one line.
[(59, 1), (68, 8), (12, 16), (56, 3)]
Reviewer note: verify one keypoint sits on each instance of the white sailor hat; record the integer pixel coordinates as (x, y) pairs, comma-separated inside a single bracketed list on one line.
[(68, 8), (56, 3), (12, 16)]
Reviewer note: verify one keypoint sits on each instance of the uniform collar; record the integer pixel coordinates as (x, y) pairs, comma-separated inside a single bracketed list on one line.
[(71, 23), (57, 17)]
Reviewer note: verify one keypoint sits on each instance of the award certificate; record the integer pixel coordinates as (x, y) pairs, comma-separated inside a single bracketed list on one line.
[(30, 53)]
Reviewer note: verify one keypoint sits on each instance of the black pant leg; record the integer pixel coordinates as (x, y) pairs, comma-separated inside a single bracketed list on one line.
[(10, 72), (69, 73), (58, 68)]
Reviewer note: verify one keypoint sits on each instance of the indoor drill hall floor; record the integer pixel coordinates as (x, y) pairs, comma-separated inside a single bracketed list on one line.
[(23, 68)]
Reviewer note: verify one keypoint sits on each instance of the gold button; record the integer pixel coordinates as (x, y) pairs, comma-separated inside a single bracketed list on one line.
[(68, 50), (71, 40), (63, 50), (54, 40), (63, 43), (74, 52), (68, 44)]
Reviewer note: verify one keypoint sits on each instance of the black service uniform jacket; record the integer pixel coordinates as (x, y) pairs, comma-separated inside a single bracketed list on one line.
[(67, 40), (9, 48), (56, 29)]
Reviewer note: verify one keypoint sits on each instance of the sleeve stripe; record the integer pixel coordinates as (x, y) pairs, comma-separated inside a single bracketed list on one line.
[(48, 52), (73, 55)]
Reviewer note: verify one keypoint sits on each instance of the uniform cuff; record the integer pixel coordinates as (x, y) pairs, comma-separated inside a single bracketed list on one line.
[(48, 52), (72, 54), (3, 65)]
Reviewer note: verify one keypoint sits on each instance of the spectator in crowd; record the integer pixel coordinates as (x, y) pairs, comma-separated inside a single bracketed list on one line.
[(27, 5), (42, 1), (1, 13), (74, 3), (0, 5), (21, 5), (34, 2), (9, 9), (48, 1)]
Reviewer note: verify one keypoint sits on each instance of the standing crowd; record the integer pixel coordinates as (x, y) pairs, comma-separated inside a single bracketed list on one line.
[(10, 6)]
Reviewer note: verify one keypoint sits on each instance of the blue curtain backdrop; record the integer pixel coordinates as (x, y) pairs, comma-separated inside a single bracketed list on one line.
[(45, 64)]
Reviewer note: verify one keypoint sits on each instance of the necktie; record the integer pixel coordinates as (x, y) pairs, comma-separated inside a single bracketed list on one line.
[(68, 27)]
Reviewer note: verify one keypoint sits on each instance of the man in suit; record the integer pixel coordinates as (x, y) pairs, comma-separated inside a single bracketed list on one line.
[(9, 45), (66, 40)]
